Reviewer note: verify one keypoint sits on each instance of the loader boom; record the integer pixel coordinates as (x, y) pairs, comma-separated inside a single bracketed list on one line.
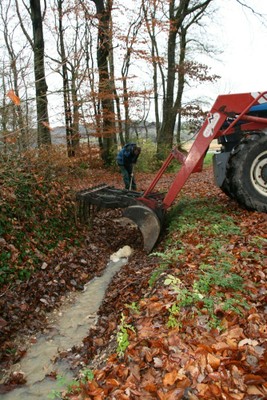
[(233, 106), (239, 121)]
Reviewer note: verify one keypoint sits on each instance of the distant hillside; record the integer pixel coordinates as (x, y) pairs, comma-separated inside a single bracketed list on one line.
[(137, 130)]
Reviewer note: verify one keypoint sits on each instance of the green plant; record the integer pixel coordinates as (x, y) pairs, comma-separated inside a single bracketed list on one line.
[(170, 255), (123, 336), (235, 304), (173, 321), (250, 254), (218, 275), (208, 159), (134, 307), (156, 274), (259, 242), (174, 282), (55, 394), (202, 295), (215, 323), (86, 375), (61, 383), (224, 227), (204, 216)]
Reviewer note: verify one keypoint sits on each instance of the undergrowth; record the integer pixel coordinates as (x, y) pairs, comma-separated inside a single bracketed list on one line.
[(204, 225), (36, 212)]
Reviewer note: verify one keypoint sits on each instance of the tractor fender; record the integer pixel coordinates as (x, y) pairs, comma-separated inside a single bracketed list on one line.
[(220, 161)]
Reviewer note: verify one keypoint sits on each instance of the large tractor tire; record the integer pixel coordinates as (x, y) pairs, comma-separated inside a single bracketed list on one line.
[(246, 173)]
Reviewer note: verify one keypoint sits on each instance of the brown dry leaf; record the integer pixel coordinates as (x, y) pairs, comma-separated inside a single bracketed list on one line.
[(220, 347), (213, 361), (171, 377), (248, 341), (203, 390), (145, 329), (157, 362), (13, 97), (254, 391), (237, 376), (215, 376), (174, 394), (150, 387), (155, 308), (112, 382), (215, 390), (234, 333), (146, 354), (202, 363), (2, 323), (253, 379), (96, 392), (46, 124), (263, 331), (93, 389)]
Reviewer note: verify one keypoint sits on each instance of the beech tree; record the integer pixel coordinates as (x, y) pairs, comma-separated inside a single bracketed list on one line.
[(70, 32), (182, 16), (37, 45), (15, 117), (103, 14), (146, 58)]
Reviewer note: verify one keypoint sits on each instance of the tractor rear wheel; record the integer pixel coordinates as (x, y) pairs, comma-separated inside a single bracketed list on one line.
[(247, 172)]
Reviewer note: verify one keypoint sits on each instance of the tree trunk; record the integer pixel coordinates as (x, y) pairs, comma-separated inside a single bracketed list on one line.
[(165, 137), (155, 58), (181, 17), (181, 82), (66, 89), (20, 120), (44, 136), (116, 97), (105, 87)]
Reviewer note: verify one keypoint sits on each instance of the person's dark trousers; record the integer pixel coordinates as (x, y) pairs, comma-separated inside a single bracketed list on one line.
[(126, 174)]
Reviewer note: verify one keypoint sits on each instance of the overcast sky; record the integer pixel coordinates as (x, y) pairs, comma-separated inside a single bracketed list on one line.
[(243, 39)]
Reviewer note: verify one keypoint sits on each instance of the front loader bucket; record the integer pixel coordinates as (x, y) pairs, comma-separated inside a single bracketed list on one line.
[(147, 221)]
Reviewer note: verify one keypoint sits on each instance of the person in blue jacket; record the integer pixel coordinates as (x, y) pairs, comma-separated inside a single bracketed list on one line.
[(126, 157)]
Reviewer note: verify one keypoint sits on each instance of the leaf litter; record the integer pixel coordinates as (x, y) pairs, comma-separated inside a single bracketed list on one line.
[(189, 361)]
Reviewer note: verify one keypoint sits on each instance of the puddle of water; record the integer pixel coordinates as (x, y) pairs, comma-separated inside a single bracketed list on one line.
[(68, 327)]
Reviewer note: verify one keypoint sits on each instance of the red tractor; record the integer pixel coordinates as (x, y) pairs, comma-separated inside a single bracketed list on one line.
[(239, 123)]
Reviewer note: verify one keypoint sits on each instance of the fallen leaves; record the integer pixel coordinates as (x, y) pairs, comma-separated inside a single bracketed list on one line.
[(192, 361)]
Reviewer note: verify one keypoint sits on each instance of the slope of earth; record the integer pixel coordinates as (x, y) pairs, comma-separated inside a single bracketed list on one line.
[(24, 305)]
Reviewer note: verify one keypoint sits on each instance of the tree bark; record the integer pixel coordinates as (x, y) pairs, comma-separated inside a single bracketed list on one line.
[(44, 136), (181, 18), (105, 87), (66, 89)]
